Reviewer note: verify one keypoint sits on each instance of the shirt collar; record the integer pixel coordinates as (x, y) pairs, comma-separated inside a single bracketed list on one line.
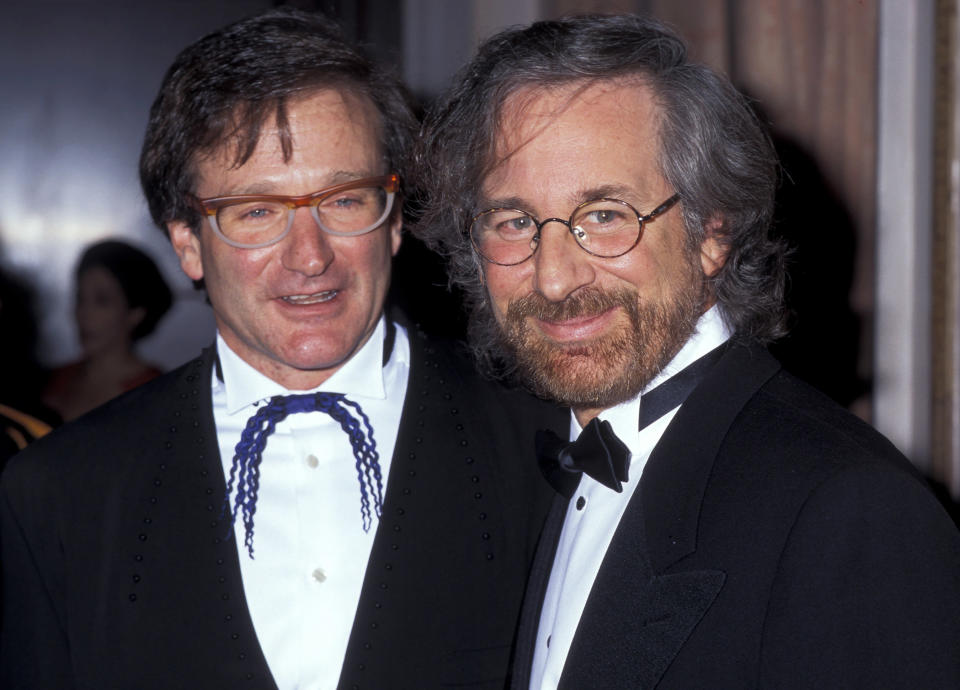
[(709, 333), (361, 376)]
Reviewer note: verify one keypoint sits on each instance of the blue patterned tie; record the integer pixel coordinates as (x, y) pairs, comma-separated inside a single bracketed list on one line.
[(245, 470)]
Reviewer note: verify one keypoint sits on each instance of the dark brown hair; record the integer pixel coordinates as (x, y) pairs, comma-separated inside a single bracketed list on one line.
[(224, 87)]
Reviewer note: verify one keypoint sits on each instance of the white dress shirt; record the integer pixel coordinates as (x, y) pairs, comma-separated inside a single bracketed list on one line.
[(310, 550), (595, 511)]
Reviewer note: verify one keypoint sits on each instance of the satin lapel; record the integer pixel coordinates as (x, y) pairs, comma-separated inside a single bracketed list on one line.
[(638, 616), (536, 591), (676, 475), (635, 621)]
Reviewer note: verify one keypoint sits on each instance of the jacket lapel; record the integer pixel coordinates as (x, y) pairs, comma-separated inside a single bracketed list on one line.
[(188, 571), (675, 478), (536, 591), (635, 621), (248, 661), (643, 605)]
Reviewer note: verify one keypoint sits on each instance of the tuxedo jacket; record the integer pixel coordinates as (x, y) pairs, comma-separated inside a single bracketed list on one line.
[(774, 541), (120, 570)]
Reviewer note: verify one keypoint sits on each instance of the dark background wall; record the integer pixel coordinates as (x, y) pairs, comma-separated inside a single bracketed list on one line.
[(78, 79)]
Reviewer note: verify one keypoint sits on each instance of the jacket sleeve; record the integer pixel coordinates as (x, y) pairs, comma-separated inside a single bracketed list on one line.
[(867, 593), (34, 649)]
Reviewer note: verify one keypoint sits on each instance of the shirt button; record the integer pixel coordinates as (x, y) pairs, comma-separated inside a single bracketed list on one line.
[(581, 502), (312, 461), (319, 575)]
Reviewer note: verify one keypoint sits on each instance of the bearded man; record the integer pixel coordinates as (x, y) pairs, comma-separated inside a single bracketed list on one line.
[(605, 204)]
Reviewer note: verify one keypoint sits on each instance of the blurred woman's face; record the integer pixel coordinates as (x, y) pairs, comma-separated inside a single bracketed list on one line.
[(104, 319)]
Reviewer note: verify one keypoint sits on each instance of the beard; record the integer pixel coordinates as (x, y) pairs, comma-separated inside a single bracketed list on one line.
[(609, 369)]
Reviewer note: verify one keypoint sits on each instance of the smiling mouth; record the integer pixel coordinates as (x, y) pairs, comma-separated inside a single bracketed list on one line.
[(578, 328), (315, 298), (574, 321)]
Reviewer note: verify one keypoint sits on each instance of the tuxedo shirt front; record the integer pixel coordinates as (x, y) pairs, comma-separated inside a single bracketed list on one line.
[(303, 582), (594, 512), (774, 541)]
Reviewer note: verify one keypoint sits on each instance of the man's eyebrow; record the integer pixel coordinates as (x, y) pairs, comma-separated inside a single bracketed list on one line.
[(271, 187), (516, 202), (611, 191)]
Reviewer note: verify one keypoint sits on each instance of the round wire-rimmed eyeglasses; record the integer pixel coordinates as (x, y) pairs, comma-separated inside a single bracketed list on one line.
[(252, 221), (605, 227)]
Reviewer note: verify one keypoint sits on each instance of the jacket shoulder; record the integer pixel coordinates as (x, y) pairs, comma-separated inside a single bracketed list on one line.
[(97, 440), (790, 417), (511, 408)]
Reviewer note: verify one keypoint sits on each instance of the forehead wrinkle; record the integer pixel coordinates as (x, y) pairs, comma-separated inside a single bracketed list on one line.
[(518, 109), (275, 132), (526, 122), (527, 113), (612, 191)]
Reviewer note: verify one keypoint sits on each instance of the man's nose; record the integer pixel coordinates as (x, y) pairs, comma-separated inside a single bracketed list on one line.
[(306, 249), (561, 267)]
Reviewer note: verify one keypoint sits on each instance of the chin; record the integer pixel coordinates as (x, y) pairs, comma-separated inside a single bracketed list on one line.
[(320, 358), (583, 376)]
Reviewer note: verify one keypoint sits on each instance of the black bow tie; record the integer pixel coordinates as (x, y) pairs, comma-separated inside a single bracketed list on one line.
[(597, 452)]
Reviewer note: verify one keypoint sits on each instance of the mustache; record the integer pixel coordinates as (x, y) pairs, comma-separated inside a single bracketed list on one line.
[(585, 302)]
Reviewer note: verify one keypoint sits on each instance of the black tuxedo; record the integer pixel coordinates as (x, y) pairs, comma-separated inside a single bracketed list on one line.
[(774, 541), (122, 573)]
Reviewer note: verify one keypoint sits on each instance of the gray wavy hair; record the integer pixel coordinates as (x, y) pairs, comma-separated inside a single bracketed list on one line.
[(713, 152)]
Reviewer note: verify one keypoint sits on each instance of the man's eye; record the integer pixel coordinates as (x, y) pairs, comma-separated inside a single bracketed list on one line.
[(605, 216), (256, 213), (518, 224), (250, 214), (597, 221), (348, 202)]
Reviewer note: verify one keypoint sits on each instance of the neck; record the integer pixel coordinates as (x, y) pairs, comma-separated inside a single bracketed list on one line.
[(110, 359), (585, 415)]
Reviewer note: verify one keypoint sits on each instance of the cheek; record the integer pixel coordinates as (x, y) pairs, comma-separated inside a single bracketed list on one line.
[(381, 257), (644, 270), (503, 284), (369, 256), (225, 266)]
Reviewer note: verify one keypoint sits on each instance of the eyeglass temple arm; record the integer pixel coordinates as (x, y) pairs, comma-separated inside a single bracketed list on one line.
[(661, 208)]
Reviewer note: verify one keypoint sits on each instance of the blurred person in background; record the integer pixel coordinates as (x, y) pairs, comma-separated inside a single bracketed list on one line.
[(120, 298)]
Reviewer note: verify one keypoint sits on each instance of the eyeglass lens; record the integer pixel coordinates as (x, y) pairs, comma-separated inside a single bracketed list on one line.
[(346, 212), (605, 227)]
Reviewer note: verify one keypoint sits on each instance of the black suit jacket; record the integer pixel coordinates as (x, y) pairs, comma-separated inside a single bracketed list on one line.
[(774, 541), (120, 571)]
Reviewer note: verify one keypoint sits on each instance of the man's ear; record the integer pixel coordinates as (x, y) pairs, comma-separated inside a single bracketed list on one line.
[(396, 231), (713, 249), (187, 246)]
